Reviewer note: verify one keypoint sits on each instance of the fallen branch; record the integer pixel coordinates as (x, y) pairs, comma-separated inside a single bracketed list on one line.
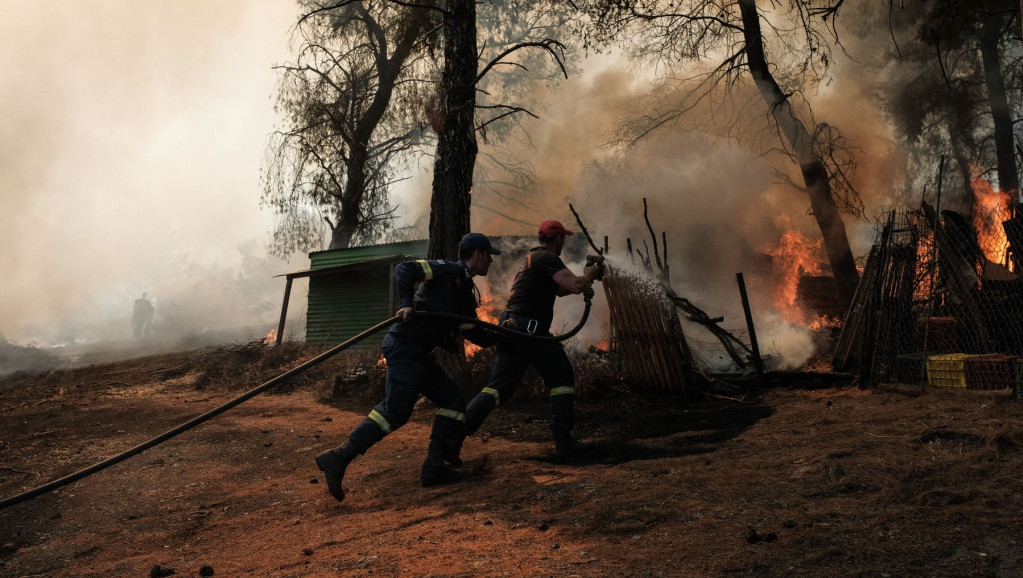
[(728, 341)]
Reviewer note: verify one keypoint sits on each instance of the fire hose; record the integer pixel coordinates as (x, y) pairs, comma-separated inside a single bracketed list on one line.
[(70, 478)]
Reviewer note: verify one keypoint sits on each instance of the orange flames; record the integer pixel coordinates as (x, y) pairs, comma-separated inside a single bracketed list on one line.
[(990, 208), (271, 337), (794, 257), (824, 322), (924, 255), (487, 311)]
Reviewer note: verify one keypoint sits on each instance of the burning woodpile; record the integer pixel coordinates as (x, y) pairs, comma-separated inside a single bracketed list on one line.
[(941, 299)]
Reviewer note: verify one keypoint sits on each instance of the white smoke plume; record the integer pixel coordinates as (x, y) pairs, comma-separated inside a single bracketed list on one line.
[(132, 137)]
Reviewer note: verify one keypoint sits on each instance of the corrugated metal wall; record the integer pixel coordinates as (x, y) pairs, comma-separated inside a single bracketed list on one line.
[(344, 304), (342, 257)]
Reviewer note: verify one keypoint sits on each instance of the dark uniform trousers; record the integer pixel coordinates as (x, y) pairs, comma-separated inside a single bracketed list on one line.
[(514, 356), (411, 371)]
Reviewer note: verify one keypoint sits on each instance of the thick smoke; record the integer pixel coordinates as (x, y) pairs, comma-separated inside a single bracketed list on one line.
[(133, 136), (718, 200)]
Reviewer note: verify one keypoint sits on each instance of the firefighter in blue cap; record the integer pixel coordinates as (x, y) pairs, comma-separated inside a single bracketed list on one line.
[(543, 278), (444, 286)]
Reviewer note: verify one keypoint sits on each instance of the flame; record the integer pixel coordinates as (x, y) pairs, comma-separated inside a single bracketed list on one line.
[(382, 362), (924, 256), (271, 337), (990, 207), (487, 311), (602, 346), (824, 322), (793, 258)]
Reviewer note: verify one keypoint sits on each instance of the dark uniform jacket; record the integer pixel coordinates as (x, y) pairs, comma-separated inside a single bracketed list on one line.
[(444, 286)]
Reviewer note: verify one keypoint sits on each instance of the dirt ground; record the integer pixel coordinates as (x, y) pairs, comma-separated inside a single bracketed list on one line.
[(788, 480)]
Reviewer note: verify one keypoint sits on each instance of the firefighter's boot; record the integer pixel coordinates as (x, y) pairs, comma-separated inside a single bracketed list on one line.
[(568, 447), (562, 423), (475, 414), (452, 452), (333, 463), (435, 472)]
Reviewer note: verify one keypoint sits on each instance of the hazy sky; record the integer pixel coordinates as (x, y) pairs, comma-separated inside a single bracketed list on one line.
[(131, 139)]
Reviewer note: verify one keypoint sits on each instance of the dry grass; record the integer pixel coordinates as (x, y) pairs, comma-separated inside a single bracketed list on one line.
[(363, 374)]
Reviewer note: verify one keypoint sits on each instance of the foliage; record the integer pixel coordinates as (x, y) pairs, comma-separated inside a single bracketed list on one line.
[(332, 98), (700, 54), (355, 101), (934, 86)]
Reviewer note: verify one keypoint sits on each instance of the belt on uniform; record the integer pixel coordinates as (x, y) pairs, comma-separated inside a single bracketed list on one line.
[(532, 325)]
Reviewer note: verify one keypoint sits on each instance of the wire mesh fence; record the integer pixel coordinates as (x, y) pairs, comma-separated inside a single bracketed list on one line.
[(940, 303)]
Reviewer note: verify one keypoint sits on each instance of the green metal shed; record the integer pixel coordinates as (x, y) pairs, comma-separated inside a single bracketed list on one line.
[(351, 290)]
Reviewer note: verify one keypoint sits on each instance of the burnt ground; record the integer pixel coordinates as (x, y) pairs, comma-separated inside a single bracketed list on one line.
[(789, 481)]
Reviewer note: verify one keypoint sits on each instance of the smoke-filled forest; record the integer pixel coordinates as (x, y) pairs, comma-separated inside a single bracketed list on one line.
[(803, 356)]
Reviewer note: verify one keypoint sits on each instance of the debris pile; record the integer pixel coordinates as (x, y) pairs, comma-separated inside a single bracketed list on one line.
[(935, 307)]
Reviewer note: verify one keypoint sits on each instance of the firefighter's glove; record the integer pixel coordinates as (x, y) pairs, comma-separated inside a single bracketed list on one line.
[(406, 313)]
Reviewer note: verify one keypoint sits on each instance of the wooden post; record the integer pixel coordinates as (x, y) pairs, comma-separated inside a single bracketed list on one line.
[(284, 312), (611, 337), (758, 363)]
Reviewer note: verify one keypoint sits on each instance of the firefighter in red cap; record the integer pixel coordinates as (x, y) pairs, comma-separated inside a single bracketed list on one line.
[(542, 278)]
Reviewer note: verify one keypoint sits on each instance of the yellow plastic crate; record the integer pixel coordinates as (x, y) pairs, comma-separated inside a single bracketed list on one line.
[(948, 370)]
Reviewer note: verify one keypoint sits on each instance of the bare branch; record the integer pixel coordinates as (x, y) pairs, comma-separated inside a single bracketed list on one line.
[(547, 45)]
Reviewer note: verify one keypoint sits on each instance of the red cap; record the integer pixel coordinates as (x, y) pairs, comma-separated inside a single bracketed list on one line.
[(551, 229)]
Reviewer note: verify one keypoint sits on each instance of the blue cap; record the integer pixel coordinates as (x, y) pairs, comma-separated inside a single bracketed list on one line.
[(474, 241)]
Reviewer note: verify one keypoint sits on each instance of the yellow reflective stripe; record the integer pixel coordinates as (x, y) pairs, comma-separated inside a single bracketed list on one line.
[(564, 390), (494, 393), (455, 415), (426, 269), (381, 421)]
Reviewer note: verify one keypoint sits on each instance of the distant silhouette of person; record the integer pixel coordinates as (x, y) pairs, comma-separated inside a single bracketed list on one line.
[(142, 317)]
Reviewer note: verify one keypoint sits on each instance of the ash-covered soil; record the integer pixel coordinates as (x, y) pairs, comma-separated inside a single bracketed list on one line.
[(784, 481)]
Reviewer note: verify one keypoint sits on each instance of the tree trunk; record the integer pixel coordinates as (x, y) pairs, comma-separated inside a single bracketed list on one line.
[(963, 199), (1008, 180), (815, 174), (456, 143), (351, 198)]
